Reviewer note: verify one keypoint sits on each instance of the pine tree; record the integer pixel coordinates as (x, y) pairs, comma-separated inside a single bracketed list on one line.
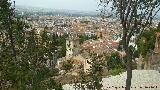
[(24, 54)]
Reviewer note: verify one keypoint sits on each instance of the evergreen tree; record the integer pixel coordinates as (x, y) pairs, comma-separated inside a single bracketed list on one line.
[(24, 54)]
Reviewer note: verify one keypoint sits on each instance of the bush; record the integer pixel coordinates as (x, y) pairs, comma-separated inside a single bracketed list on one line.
[(114, 64), (114, 61), (116, 71), (68, 65)]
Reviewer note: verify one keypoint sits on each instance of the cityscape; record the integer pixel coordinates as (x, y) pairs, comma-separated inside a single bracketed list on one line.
[(47, 48)]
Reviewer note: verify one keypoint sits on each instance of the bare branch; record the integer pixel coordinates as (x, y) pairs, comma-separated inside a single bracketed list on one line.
[(128, 10)]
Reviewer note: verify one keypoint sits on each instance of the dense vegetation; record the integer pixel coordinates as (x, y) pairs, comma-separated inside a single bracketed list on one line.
[(134, 16), (24, 54), (27, 60), (85, 37), (146, 42), (115, 64)]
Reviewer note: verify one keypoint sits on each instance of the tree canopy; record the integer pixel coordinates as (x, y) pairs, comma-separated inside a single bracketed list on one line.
[(146, 42), (135, 16), (24, 54)]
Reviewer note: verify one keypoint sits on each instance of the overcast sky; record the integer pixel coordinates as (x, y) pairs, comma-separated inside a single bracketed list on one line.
[(82, 5)]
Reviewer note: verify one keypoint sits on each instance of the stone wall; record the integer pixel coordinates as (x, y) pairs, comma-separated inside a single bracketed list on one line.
[(155, 61)]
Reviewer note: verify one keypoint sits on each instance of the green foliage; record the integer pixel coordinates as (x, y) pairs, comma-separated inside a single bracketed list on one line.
[(134, 16), (116, 71), (114, 61), (68, 65), (95, 73), (92, 79), (85, 37), (114, 64), (24, 54), (61, 42), (30, 71), (146, 42)]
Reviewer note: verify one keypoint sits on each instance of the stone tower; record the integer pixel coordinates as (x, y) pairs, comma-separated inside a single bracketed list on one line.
[(72, 45)]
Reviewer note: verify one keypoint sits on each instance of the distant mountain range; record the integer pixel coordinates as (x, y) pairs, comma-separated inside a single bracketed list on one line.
[(46, 11), (28, 10)]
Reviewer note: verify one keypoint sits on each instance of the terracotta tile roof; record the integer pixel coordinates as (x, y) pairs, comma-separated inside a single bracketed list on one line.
[(100, 46)]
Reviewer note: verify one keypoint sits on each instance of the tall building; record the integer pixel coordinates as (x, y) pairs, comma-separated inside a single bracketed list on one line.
[(72, 45)]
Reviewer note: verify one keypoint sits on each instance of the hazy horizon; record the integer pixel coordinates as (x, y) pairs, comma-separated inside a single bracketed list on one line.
[(79, 5)]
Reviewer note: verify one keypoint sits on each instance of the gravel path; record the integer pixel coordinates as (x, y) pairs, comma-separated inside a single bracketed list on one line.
[(141, 80)]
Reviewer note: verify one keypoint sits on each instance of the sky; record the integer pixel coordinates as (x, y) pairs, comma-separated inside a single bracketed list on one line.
[(80, 5)]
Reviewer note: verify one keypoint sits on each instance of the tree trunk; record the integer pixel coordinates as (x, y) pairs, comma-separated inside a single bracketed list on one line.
[(10, 32), (129, 70)]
